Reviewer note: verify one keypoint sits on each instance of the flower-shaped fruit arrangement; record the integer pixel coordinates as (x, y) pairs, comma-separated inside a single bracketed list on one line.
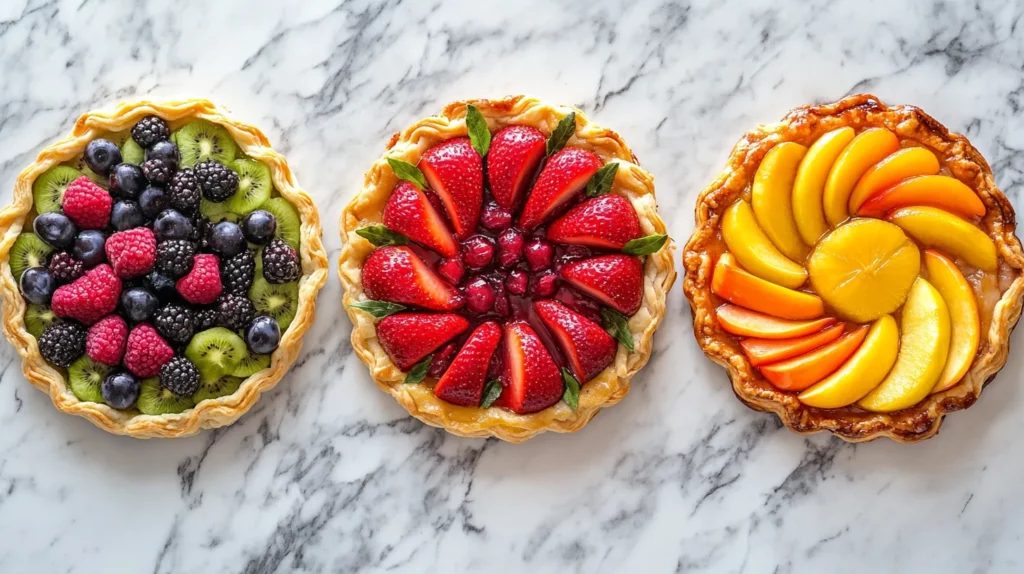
[(505, 268), (856, 269), (159, 268)]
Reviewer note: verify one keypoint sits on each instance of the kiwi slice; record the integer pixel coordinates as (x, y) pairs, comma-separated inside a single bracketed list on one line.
[(199, 140), (156, 400), (288, 221), (38, 318), (48, 189), (280, 301), (215, 352), (250, 364), (254, 186), (28, 251), (219, 387), (217, 212), (132, 152), (85, 377)]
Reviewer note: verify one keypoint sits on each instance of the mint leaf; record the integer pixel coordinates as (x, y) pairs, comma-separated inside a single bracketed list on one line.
[(571, 394), (408, 172), (602, 181), (379, 309), (418, 372), (565, 129), (645, 245), (479, 135), (491, 393), (615, 323), (381, 236)]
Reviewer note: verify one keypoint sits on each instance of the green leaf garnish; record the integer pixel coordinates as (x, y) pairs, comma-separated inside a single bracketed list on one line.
[(645, 245), (615, 323), (408, 172), (563, 131), (491, 393), (379, 309), (479, 135), (381, 236), (418, 372), (602, 181), (571, 394)]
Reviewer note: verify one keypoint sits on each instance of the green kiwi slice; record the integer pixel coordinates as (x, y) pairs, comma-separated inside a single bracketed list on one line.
[(254, 186), (216, 352), (199, 140), (28, 251), (38, 318), (217, 212), (85, 377), (288, 221), (219, 387), (48, 189), (251, 364), (132, 152), (280, 301), (156, 400)]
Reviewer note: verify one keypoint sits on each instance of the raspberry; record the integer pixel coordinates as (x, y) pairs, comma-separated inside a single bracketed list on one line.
[(87, 204), (202, 285), (106, 339), (90, 298), (184, 191), (236, 311), (174, 257), (65, 268), (280, 263), (176, 323), (157, 171), (146, 351), (217, 181), (180, 376), (150, 130), (132, 252), (62, 343), (236, 273)]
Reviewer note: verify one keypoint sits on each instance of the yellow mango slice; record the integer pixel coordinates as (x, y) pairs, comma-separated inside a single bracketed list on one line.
[(963, 315), (809, 186), (948, 233), (868, 148), (862, 372), (755, 251), (771, 196)]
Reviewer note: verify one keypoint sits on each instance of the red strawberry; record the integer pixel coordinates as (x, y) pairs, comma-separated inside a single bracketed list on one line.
[(202, 285), (408, 337), (615, 280), (410, 213), (132, 252), (106, 339), (456, 173), (396, 274), (90, 298), (586, 346), (566, 173), (534, 381), (516, 151), (87, 204), (146, 351), (605, 222), (463, 383)]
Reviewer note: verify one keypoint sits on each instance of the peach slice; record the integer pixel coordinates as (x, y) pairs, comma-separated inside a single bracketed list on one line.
[(746, 323), (801, 372), (934, 227), (907, 162), (772, 194), (868, 148), (732, 283), (766, 351), (939, 191), (924, 346), (863, 372), (755, 251), (963, 314), (809, 186)]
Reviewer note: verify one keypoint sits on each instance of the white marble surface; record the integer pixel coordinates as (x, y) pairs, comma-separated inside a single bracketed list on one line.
[(327, 474)]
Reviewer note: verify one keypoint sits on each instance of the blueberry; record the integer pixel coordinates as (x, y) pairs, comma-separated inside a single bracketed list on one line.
[(120, 390), (102, 155), (226, 239), (153, 200), (171, 224), (126, 180), (263, 335), (37, 285), (138, 304), (165, 150), (89, 248), (126, 214), (259, 227), (55, 229), (162, 286)]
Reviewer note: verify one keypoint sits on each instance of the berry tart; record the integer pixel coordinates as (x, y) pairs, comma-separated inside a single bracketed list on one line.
[(158, 268), (855, 269), (505, 268)]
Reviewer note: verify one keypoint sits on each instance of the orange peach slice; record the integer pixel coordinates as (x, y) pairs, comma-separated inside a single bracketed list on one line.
[(746, 323), (868, 148), (801, 372), (907, 162), (939, 191), (809, 186), (941, 229), (766, 351), (863, 372), (771, 195), (732, 283), (755, 251), (963, 314)]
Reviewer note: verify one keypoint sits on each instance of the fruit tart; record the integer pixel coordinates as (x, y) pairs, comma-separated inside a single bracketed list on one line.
[(159, 268), (855, 269), (505, 268)]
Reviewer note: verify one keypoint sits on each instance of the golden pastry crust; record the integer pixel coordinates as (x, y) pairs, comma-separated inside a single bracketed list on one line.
[(632, 182), (211, 413), (804, 125)]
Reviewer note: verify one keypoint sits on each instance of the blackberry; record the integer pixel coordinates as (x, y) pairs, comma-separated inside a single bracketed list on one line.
[(206, 318), (218, 181), (174, 257), (280, 263), (175, 323), (62, 342), (157, 171), (184, 191), (180, 376), (150, 130), (201, 233), (235, 311), (65, 268), (236, 273)]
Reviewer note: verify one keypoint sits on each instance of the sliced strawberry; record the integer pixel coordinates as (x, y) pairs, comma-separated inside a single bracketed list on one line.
[(615, 280), (410, 213), (409, 337), (516, 151), (397, 275), (586, 346), (604, 222), (565, 174), (463, 383), (456, 174), (534, 381)]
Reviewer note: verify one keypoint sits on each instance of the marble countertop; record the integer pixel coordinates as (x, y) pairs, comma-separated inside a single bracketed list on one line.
[(328, 474)]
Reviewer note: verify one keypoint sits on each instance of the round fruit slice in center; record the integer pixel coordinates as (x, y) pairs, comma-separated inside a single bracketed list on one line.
[(864, 269)]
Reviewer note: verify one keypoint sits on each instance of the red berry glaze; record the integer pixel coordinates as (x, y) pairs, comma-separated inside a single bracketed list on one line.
[(90, 297), (202, 285), (495, 218), (409, 337), (452, 270), (146, 351), (585, 345), (604, 222), (534, 382), (410, 213), (87, 204), (478, 252), (463, 382), (442, 359), (456, 174), (538, 254), (132, 253), (517, 282), (563, 177), (544, 284), (397, 275), (615, 280), (106, 340), (510, 247), (515, 153), (479, 296)]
